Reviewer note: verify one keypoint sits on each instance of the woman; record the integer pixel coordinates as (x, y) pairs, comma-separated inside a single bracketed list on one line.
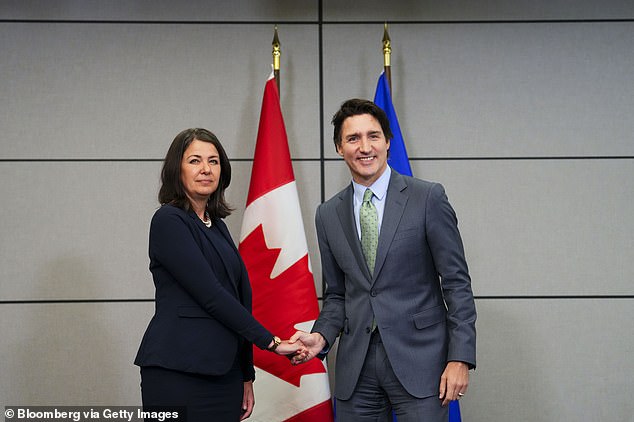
[(197, 350)]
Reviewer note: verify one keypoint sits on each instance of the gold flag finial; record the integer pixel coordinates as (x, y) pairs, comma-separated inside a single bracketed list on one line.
[(276, 51), (387, 47)]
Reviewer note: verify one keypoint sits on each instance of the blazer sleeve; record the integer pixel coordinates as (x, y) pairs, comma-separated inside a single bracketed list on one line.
[(173, 245), (448, 253), (246, 361), (331, 318)]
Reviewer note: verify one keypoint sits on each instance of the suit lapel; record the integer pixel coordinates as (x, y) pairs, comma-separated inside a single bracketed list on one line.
[(394, 207), (346, 217)]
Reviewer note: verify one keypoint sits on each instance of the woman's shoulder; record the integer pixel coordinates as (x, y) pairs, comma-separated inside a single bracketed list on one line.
[(166, 209), (168, 212)]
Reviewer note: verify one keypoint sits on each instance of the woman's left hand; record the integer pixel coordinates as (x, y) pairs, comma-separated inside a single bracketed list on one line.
[(248, 400)]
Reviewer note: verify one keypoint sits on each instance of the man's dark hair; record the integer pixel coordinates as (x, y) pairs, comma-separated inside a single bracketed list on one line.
[(355, 107)]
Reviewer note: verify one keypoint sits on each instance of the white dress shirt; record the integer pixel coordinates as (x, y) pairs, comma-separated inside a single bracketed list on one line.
[(379, 189)]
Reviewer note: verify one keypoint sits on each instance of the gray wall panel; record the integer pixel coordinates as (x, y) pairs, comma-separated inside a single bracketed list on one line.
[(77, 354), (544, 360), (160, 10), (543, 227), (125, 90), (76, 230), (538, 89), (465, 10)]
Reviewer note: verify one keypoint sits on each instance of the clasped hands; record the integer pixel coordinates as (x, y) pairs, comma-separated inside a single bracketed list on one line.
[(301, 347)]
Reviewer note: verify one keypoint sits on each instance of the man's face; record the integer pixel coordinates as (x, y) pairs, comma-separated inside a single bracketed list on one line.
[(363, 148)]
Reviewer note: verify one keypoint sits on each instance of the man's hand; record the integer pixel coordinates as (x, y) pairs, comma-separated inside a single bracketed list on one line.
[(313, 344), (453, 382)]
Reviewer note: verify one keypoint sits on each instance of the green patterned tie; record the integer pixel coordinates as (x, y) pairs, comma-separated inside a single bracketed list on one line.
[(369, 221)]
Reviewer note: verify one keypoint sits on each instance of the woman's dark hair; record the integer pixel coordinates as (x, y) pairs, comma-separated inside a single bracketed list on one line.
[(172, 191), (355, 107)]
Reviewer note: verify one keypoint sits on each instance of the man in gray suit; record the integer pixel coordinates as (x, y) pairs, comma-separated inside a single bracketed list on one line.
[(398, 289)]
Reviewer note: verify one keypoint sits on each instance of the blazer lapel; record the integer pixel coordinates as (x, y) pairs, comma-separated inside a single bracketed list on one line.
[(225, 233), (346, 217), (394, 207)]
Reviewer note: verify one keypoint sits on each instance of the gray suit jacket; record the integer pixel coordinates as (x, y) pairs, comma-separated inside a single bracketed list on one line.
[(420, 294)]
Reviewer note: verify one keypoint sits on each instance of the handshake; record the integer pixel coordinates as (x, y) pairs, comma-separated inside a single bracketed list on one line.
[(301, 347)]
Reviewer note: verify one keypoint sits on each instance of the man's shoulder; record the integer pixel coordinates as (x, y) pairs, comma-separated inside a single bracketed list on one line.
[(414, 183), (337, 198)]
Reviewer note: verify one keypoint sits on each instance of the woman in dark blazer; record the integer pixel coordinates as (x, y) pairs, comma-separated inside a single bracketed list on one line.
[(197, 350)]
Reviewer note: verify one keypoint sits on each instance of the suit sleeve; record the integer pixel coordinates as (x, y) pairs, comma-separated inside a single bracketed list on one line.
[(448, 254), (173, 245), (331, 318)]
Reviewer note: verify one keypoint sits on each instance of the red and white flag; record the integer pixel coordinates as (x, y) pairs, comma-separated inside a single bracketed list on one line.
[(273, 247)]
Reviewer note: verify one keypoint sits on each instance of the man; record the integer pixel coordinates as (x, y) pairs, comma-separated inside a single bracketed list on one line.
[(398, 289)]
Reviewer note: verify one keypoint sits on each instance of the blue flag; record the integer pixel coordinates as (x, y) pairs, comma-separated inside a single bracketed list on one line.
[(399, 161), (398, 155)]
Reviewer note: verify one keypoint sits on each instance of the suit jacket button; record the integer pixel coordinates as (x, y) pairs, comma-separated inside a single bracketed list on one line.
[(368, 330), (373, 293)]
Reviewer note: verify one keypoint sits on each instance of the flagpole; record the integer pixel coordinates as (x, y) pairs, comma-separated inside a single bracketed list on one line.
[(387, 54), (276, 58)]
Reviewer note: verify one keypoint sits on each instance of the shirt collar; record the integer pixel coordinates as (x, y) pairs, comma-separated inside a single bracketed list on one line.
[(378, 188)]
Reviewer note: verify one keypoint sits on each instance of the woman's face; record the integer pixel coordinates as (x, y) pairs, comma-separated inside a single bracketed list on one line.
[(200, 170)]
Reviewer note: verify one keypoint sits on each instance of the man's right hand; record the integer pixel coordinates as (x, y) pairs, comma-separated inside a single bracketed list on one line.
[(313, 343)]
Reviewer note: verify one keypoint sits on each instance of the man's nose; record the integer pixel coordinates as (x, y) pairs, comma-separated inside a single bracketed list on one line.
[(364, 145)]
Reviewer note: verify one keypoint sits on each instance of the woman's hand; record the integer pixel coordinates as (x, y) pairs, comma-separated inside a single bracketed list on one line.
[(293, 350), (248, 400)]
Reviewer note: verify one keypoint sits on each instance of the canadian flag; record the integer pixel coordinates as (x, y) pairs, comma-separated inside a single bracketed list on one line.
[(273, 247)]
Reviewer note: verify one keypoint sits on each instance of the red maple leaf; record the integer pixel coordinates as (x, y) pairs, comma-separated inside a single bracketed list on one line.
[(279, 303)]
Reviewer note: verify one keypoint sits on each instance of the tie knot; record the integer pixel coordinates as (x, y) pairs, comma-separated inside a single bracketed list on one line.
[(367, 195)]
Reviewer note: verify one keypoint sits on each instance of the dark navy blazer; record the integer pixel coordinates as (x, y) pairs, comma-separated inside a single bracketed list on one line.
[(202, 321)]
